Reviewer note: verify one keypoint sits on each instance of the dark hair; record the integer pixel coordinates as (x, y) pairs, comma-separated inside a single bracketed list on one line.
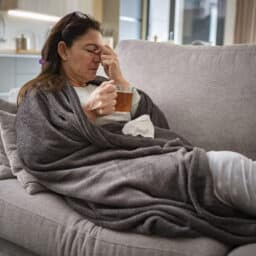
[(67, 29)]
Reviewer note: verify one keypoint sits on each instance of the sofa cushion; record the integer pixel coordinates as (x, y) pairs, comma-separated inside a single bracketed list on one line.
[(246, 250), (52, 228), (8, 137), (8, 106), (5, 170), (208, 93), (10, 249)]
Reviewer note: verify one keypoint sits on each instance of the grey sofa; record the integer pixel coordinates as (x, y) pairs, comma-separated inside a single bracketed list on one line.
[(208, 95)]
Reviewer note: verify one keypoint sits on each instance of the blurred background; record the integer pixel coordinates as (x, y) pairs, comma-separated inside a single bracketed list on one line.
[(25, 24), (213, 22)]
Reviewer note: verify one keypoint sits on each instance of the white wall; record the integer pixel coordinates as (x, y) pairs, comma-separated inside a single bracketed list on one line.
[(36, 31)]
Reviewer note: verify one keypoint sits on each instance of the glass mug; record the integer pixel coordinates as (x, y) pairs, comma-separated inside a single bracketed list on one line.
[(123, 101)]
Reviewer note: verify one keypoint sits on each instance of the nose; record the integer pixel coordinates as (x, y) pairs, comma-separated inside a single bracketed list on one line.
[(96, 57)]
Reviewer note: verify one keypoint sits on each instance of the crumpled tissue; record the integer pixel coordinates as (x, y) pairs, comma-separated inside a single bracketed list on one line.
[(140, 126)]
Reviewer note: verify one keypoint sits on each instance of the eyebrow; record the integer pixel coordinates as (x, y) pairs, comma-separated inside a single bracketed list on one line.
[(91, 44)]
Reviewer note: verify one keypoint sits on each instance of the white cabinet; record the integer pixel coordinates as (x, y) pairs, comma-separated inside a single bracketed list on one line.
[(7, 74), (26, 69), (16, 70)]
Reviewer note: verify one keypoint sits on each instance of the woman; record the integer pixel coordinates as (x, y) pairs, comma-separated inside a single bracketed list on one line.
[(79, 64), (154, 185)]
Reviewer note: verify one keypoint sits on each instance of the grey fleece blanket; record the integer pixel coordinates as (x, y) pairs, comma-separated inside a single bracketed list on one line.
[(158, 186)]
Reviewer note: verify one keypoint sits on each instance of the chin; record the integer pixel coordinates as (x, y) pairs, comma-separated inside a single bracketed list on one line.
[(93, 77), (90, 78)]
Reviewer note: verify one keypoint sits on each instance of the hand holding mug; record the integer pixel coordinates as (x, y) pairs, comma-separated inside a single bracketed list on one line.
[(102, 101)]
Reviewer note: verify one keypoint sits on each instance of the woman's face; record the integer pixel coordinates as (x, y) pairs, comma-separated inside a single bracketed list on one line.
[(81, 61)]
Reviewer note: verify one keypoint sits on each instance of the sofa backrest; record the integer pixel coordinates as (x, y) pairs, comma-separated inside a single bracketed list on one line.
[(207, 93)]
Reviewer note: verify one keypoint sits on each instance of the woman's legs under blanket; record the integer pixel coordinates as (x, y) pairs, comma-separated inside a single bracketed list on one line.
[(234, 178)]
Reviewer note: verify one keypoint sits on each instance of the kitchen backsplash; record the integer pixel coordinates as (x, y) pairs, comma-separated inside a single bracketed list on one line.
[(34, 31)]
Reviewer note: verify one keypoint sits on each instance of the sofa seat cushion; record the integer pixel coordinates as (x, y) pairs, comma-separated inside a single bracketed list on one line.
[(5, 169), (10, 249), (246, 250), (44, 224)]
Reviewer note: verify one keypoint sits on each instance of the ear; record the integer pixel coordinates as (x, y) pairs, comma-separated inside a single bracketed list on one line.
[(62, 50)]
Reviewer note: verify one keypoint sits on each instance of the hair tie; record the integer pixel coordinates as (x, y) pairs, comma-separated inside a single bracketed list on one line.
[(42, 61)]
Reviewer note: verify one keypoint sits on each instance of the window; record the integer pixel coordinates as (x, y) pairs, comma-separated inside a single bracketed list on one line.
[(130, 19), (200, 20), (159, 20), (185, 21)]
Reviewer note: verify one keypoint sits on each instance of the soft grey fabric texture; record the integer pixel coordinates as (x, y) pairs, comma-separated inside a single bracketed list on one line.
[(5, 170), (10, 249), (8, 137), (207, 93), (45, 224), (216, 84), (8, 106), (246, 250), (149, 186)]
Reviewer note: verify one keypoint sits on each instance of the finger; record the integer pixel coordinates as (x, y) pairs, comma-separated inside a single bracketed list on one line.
[(108, 104), (106, 110), (108, 89), (107, 98), (104, 57), (109, 62), (103, 84), (106, 49), (104, 98), (107, 101)]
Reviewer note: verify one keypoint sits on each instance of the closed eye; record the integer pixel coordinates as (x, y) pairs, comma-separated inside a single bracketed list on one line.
[(93, 49)]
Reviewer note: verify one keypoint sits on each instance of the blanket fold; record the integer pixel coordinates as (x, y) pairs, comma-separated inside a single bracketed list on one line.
[(158, 186)]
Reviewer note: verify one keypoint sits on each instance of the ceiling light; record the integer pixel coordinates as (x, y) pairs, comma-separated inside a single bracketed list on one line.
[(33, 15)]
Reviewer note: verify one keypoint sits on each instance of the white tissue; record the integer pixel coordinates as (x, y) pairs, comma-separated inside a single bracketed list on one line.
[(140, 126)]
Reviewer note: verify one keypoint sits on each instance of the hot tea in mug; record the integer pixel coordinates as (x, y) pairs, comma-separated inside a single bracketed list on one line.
[(123, 101)]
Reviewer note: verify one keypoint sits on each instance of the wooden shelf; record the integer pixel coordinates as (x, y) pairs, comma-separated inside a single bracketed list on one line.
[(20, 53), (33, 52)]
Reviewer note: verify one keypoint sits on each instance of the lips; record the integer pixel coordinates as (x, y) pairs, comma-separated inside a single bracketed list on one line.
[(94, 69)]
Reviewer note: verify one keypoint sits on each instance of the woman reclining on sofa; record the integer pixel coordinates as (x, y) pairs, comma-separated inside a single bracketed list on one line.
[(70, 137)]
